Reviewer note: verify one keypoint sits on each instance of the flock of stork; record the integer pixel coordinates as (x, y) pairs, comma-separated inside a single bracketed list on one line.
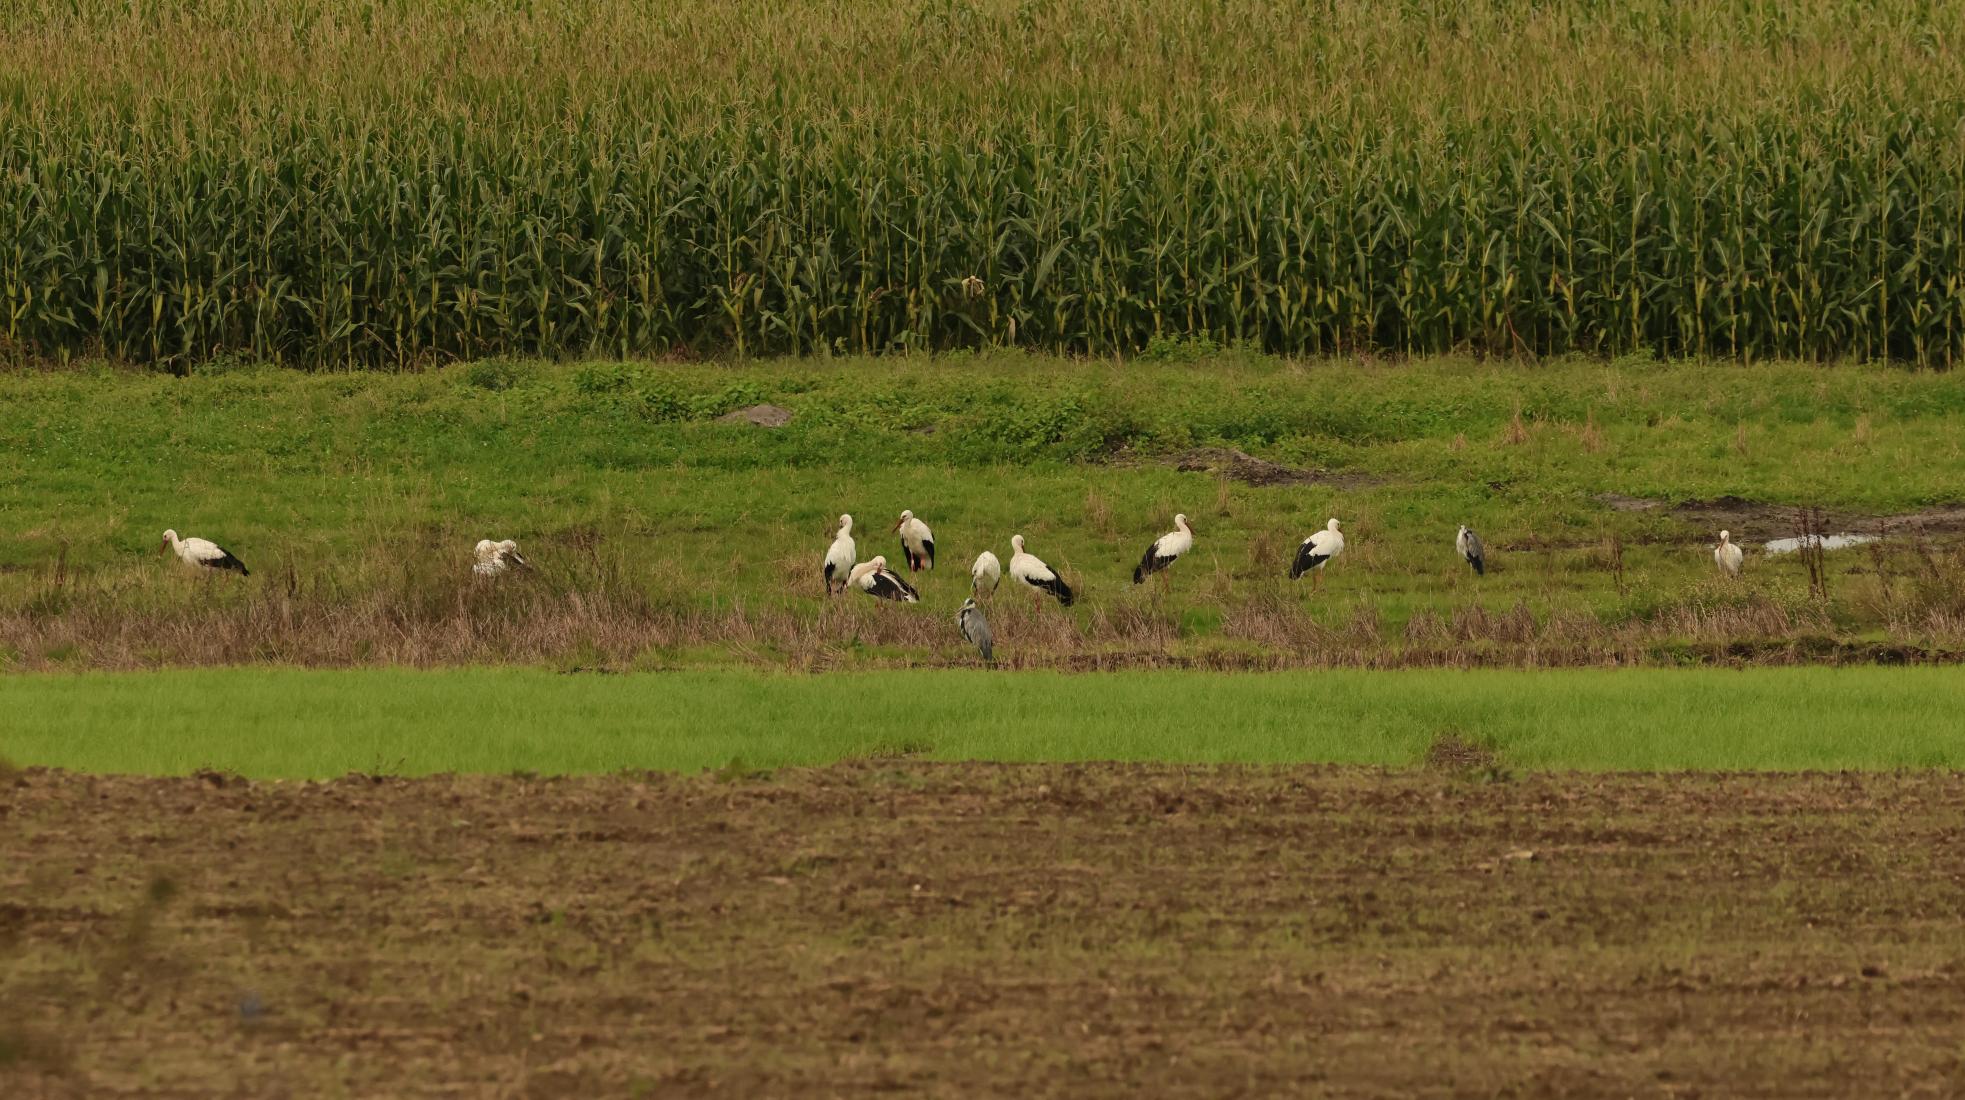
[(843, 569)]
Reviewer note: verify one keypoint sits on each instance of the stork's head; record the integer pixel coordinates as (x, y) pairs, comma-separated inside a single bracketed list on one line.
[(1463, 528), (1332, 525), (1725, 536), (879, 563), (845, 524), (169, 537), (1180, 521), (906, 514), (509, 545), (1016, 543)]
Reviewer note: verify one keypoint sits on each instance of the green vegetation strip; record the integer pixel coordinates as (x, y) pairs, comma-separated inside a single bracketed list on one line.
[(300, 723)]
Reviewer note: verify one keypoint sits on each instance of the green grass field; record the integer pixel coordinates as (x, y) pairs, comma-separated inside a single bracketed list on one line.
[(294, 723), (665, 540)]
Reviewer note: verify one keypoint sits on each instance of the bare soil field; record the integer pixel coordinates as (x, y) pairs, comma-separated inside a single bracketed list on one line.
[(973, 930)]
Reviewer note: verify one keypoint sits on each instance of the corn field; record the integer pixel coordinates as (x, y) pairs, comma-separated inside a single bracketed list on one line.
[(394, 182)]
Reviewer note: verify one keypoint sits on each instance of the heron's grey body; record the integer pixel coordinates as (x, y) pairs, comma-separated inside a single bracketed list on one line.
[(1469, 545), (975, 628)]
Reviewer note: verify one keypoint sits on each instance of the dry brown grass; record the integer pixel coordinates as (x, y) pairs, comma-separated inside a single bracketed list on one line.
[(608, 632), (1276, 619), (1516, 433), (1591, 437), (1098, 514), (596, 613), (1265, 555), (1920, 589), (1426, 628)]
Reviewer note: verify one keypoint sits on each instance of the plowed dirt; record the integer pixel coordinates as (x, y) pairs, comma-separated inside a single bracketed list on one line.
[(975, 930)]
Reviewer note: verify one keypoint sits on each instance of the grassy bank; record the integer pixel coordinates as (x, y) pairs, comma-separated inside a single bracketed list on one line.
[(666, 540), (321, 183), (293, 723)]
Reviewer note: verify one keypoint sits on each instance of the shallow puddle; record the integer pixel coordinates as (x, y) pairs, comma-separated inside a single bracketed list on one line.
[(1829, 542)]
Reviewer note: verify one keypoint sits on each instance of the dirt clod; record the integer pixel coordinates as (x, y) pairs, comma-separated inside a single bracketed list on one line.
[(218, 780)]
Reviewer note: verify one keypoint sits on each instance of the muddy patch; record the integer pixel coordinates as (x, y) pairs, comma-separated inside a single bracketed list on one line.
[(1451, 752), (1618, 502), (1760, 521), (1237, 465)]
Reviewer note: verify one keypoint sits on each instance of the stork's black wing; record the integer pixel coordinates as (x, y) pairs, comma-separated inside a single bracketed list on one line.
[(1150, 563), (889, 586), (1308, 557), (225, 560), (1055, 585)]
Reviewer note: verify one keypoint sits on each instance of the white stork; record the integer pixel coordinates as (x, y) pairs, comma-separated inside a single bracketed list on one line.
[(1468, 545), (840, 557), (985, 574), (1727, 556), (875, 579), (975, 629), (493, 558), (1039, 578), (917, 542), (1316, 550), (1165, 550), (203, 554)]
